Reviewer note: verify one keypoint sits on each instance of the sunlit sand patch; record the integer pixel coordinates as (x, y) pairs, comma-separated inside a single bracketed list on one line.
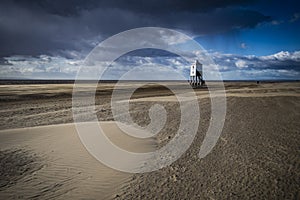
[(67, 169)]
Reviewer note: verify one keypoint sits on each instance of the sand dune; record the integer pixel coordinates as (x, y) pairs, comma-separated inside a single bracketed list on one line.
[(60, 167)]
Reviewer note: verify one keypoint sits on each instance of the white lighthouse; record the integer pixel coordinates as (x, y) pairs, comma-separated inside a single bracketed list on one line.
[(196, 77)]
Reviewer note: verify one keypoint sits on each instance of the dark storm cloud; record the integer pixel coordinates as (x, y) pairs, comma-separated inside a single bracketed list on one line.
[(59, 27), (74, 7)]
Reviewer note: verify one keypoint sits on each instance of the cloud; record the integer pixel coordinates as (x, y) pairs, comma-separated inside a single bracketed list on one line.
[(241, 64), (277, 22), (60, 27), (295, 17), (65, 8), (149, 64), (284, 56), (281, 65), (40, 67), (243, 45), (4, 62)]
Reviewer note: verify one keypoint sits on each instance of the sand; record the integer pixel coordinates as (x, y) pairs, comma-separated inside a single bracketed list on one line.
[(257, 155), (59, 165)]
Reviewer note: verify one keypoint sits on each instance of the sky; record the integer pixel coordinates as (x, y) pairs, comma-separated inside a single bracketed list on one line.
[(247, 40)]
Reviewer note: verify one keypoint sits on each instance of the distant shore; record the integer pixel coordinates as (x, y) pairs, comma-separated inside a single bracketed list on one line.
[(71, 81)]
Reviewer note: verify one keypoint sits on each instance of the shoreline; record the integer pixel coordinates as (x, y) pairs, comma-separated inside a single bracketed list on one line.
[(72, 81)]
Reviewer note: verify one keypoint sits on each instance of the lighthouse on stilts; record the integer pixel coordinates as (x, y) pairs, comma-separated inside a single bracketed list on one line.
[(196, 75)]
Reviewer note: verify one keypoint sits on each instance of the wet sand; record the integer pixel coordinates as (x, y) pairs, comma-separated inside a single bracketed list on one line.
[(257, 155)]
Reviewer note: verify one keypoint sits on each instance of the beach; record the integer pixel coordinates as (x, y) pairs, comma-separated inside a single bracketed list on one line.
[(256, 156)]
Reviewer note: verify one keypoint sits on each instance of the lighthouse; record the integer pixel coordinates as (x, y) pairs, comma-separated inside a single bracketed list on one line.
[(196, 74)]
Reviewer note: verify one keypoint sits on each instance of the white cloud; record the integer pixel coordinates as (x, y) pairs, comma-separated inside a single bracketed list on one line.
[(39, 67), (241, 64), (279, 65), (283, 56), (172, 39)]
